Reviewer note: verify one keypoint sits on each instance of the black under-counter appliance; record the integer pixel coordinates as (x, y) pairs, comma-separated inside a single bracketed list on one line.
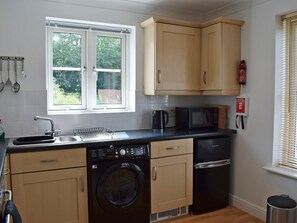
[(211, 174), (119, 183)]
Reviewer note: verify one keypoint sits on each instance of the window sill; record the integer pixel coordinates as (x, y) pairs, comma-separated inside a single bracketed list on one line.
[(103, 111), (282, 171)]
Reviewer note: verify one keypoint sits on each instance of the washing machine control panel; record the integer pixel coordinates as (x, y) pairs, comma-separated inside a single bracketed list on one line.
[(114, 152)]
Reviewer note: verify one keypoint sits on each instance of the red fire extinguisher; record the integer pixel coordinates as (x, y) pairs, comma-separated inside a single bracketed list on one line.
[(242, 72)]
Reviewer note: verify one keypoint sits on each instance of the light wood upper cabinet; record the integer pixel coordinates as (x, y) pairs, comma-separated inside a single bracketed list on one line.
[(187, 58), (50, 186), (211, 58), (220, 58), (172, 59), (171, 174)]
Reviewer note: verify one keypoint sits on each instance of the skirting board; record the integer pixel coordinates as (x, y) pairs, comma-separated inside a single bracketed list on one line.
[(248, 207)]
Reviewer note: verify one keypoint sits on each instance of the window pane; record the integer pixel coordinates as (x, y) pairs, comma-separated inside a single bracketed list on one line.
[(67, 88), (108, 52), (109, 87), (66, 49)]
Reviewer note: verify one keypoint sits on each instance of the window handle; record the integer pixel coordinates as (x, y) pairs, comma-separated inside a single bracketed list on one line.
[(84, 69), (94, 69)]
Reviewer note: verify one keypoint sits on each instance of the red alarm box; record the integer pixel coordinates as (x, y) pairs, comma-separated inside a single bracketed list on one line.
[(242, 106)]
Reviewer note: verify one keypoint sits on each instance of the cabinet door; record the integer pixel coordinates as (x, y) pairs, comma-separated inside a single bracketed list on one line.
[(177, 57), (58, 196), (211, 65), (171, 182)]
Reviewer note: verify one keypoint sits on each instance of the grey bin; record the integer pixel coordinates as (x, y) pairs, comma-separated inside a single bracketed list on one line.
[(281, 209)]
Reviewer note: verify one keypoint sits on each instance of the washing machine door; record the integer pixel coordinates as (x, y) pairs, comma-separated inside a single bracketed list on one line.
[(120, 188)]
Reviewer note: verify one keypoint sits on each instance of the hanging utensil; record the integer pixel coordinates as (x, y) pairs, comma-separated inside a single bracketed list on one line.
[(23, 69), (16, 86), (8, 82), (1, 83)]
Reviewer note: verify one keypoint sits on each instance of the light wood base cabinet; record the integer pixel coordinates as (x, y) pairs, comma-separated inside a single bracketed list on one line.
[(7, 176), (51, 196), (52, 191), (171, 174), (171, 183)]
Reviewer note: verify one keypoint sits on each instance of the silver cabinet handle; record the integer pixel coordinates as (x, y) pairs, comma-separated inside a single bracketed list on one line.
[(159, 76), (82, 184), (6, 171), (173, 148), (204, 77), (154, 173), (48, 161)]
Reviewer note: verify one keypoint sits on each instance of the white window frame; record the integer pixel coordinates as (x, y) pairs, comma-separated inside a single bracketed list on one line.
[(88, 67), (50, 70), (276, 167), (288, 131), (124, 70)]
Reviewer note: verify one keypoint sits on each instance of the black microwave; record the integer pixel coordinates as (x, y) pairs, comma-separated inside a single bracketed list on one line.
[(196, 117)]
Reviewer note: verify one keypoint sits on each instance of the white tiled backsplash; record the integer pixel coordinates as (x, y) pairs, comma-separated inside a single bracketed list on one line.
[(17, 112)]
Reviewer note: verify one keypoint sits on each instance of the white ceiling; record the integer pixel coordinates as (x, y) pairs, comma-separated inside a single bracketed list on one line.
[(191, 6), (187, 8)]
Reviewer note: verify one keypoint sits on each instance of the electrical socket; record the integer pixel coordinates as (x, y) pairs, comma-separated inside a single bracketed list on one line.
[(171, 112)]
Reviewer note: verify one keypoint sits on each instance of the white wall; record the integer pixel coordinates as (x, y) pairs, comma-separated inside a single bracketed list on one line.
[(253, 148), (22, 33)]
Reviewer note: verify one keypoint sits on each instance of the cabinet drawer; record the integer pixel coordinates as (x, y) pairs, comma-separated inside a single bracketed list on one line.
[(47, 160), (171, 147)]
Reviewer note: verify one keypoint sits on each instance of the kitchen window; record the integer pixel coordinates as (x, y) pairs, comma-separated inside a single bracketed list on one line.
[(288, 113), (89, 67)]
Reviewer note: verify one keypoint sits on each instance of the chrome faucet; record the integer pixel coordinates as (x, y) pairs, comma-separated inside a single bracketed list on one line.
[(53, 132)]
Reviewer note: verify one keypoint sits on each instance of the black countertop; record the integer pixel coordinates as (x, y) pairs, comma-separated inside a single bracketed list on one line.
[(134, 136)]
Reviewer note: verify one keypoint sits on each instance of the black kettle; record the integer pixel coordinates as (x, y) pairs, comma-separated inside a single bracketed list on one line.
[(160, 119)]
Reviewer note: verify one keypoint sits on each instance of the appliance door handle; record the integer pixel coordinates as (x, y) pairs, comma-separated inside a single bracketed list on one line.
[(212, 164)]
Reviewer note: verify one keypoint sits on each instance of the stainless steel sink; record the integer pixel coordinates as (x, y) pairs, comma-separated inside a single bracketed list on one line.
[(68, 138), (33, 140), (83, 136)]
